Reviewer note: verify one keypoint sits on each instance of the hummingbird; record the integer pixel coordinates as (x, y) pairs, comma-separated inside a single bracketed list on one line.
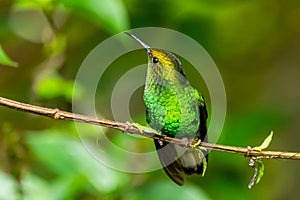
[(175, 109)]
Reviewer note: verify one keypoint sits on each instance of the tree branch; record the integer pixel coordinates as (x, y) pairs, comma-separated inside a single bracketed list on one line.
[(144, 131)]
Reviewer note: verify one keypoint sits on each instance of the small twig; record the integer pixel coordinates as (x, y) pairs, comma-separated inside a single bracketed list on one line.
[(147, 132), (255, 175)]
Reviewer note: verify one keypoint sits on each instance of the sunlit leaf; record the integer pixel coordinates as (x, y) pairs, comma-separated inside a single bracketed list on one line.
[(35, 4), (5, 60), (110, 14), (54, 86), (36, 187), (265, 143), (8, 187)]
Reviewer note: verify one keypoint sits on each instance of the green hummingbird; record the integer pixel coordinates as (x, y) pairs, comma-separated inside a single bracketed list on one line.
[(176, 109)]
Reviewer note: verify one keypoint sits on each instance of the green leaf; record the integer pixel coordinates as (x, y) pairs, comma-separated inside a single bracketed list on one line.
[(36, 187), (5, 60), (72, 164), (28, 4), (68, 187), (8, 187), (167, 190), (54, 86), (260, 168), (110, 14), (265, 143)]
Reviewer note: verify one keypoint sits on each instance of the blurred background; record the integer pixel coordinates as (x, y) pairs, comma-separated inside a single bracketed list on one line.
[(255, 44)]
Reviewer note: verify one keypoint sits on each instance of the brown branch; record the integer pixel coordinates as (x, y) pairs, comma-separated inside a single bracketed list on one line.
[(144, 131)]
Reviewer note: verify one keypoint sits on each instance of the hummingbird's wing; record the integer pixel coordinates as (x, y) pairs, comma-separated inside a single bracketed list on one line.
[(202, 131), (168, 157)]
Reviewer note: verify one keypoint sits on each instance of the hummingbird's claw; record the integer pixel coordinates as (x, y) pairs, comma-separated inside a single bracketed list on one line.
[(196, 143), (139, 127)]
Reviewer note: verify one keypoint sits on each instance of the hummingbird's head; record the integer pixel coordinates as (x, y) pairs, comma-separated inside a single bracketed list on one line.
[(161, 59), (165, 60)]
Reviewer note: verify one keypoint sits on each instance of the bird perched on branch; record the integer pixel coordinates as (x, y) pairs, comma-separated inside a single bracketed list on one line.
[(176, 109)]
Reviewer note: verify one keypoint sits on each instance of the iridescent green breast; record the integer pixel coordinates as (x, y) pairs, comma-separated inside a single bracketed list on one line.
[(172, 109)]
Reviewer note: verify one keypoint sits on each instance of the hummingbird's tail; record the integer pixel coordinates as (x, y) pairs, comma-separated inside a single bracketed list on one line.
[(178, 161)]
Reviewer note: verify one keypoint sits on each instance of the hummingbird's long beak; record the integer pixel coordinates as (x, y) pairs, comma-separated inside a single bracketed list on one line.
[(140, 41)]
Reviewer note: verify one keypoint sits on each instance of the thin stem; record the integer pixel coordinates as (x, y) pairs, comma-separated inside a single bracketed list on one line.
[(145, 131)]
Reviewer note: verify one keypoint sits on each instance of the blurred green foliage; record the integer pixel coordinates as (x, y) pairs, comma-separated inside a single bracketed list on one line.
[(5, 60), (255, 44)]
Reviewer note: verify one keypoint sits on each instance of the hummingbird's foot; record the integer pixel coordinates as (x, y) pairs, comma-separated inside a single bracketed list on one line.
[(139, 127), (201, 150), (197, 145)]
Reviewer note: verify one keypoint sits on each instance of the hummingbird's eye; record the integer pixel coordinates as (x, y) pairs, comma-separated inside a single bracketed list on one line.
[(155, 60)]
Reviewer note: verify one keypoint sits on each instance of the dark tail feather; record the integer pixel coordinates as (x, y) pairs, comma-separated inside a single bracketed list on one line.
[(177, 166)]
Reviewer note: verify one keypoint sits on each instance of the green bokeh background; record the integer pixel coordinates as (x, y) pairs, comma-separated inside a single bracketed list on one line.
[(255, 44)]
